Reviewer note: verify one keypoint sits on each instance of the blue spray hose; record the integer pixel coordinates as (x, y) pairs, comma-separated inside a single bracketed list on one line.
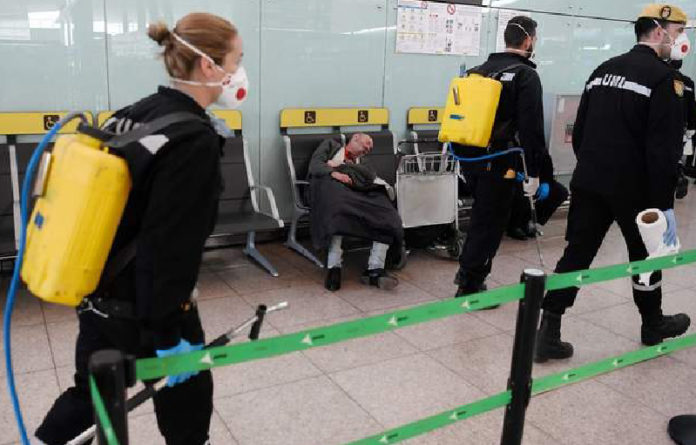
[(486, 157), (9, 305)]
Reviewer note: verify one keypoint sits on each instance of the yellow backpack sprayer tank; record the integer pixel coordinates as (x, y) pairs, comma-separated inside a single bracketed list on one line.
[(472, 104), (82, 191), (75, 219), (470, 111)]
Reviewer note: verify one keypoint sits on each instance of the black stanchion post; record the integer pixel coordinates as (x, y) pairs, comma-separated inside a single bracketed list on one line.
[(520, 381), (256, 327), (108, 368)]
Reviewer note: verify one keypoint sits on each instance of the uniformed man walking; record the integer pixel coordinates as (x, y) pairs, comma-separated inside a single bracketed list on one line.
[(519, 122), (628, 139)]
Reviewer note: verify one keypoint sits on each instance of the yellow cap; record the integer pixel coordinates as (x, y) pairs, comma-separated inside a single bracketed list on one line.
[(663, 11)]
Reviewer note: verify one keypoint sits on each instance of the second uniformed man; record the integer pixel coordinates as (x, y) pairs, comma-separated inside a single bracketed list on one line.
[(628, 139)]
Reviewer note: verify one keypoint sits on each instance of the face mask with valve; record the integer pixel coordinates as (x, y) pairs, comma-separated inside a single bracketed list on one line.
[(235, 86), (681, 47)]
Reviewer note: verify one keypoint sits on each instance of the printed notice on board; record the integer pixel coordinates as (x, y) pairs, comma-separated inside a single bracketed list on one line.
[(438, 28), (504, 16)]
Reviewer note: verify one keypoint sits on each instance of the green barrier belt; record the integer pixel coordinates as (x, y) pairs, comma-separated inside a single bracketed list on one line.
[(154, 368), (101, 413), (585, 372), (541, 385), (438, 421), (585, 277)]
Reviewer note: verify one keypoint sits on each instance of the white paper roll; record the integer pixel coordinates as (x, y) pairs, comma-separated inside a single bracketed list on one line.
[(652, 226)]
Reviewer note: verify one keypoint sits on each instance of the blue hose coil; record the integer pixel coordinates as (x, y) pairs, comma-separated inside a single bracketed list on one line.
[(9, 304)]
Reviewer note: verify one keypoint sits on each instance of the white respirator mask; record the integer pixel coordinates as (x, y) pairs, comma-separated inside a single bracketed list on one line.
[(681, 47), (235, 86)]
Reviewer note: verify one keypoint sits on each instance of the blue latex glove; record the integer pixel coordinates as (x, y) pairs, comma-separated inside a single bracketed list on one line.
[(543, 192), (519, 177), (182, 348), (670, 236)]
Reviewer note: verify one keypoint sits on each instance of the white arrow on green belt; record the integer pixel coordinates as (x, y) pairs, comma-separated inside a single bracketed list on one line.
[(207, 359)]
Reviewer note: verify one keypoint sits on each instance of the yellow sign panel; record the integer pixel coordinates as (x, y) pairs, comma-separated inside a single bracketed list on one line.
[(35, 123), (103, 117), (425, 115), (333, 117), (233, 118)]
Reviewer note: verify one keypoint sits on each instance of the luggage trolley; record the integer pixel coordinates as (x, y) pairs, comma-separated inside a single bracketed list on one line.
[(427, 194)]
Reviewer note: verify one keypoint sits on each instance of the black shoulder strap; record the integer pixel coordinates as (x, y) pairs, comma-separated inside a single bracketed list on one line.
[(121, 140), (118, 263), (148, 128), (494, 74), (509, 67)]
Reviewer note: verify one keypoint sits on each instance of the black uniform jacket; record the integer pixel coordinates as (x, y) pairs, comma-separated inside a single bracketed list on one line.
[(171, 210), (628, 135)]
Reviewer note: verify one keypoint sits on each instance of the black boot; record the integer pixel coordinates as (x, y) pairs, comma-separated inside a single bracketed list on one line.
[(548, 341), (682, 187), (466, 287), (333, 279), (517, 233), (668, 326), (463, 290), (379, 278)]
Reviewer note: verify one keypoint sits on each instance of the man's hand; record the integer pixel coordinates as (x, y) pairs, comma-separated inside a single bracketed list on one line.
[(342, 177), (333, 164), (530, 186), (543, 191), (182, 348)]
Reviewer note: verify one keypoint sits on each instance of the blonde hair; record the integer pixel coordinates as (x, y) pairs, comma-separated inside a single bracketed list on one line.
[(209, 33)]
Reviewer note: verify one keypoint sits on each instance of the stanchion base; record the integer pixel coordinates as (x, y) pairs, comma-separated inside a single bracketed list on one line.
[(682, 429)]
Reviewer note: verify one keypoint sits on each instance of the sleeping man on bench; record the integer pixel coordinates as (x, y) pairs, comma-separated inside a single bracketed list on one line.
[(348, 199)]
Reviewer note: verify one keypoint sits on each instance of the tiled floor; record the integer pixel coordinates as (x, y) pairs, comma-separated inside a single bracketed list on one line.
[(351, 390)]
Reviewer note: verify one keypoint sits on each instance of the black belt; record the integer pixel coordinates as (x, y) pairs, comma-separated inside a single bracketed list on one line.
[(111, 307)]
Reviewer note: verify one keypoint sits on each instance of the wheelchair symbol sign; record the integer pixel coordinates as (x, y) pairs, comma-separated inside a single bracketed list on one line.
[(432, 115), (310, 117), (363, 116), (49, 120)]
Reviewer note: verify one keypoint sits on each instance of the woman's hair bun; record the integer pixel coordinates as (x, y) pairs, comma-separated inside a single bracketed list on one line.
[(159, 32)]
